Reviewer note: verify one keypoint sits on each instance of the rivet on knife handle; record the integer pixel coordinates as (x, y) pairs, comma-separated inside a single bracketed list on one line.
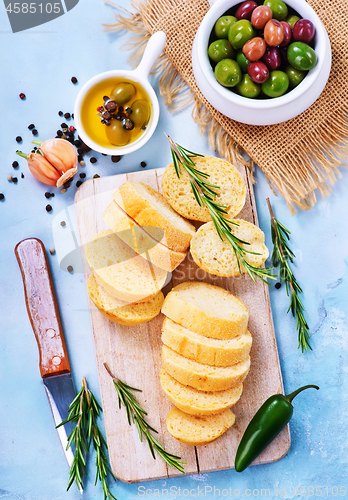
[(42, 307)]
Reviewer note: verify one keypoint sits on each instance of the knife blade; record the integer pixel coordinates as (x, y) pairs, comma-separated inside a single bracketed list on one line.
[(44, 316)]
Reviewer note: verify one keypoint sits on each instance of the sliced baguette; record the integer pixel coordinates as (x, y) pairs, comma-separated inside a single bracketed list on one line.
[(150, 208), (203, 349), (200, 403), (206, 309), (200, 376), (149, 242), (120, 271), (221, 173), (217, 257), (197, 431), (121, 312)]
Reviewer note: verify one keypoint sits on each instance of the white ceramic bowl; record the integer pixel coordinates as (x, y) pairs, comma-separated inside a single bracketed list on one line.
[(260, 111), (140, 75)]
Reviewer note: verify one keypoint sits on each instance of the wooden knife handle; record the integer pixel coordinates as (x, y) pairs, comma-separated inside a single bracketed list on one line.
[(42, 307)]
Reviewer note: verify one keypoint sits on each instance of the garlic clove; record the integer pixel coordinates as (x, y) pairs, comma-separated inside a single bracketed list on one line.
[(66, 176), (61, 154), (42, 169)]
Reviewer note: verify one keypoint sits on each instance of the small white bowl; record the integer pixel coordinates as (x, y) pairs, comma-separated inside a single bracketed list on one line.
[(260, 111), (140, 75)]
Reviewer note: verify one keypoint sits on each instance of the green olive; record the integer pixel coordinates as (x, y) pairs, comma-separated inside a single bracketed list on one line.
[(140, 113), (247, 88), (123, 93), (228, 73), (117, 134), (221, 49), (222, 26), (295, 75)]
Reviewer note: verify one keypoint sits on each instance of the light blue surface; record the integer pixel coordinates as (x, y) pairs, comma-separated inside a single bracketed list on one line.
[(40, 63)]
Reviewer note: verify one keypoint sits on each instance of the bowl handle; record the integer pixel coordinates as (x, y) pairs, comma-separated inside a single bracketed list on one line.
[(153, 49)]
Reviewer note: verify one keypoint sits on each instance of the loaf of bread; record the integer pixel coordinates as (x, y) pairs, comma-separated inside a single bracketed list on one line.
[(206, 309), (217, 256), (200, 403), (121, 312), (221, 173), (149, 242), (203, 349), (120, 271), (196, 431), (150, 208), (200, 376)]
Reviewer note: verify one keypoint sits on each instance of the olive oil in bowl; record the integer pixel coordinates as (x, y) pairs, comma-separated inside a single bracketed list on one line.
[(116, 112)]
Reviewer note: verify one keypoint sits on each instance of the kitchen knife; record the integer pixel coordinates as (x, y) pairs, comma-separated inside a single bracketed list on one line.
[(44, 317)]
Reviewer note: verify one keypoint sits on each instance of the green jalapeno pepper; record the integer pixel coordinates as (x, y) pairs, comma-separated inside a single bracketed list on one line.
[(266, 424)]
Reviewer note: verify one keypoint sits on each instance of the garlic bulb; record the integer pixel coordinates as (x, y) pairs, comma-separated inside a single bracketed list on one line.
[(54, 162)]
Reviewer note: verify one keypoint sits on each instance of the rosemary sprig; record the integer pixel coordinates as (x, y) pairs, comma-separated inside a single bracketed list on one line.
[(282, 256), (84, 410), (205, 194), (135, 415)]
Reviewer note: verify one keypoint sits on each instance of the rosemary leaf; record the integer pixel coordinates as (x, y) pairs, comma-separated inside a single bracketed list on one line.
[(205, 195), (134, 409), (281, 256)]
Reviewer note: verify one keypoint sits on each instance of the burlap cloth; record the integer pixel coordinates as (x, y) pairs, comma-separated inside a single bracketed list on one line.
[(299, 156)]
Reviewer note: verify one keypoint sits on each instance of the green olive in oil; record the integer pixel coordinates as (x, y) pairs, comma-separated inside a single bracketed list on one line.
[(128, 95)]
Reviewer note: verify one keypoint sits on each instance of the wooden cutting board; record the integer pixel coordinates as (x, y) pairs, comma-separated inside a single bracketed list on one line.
[(133, 354)]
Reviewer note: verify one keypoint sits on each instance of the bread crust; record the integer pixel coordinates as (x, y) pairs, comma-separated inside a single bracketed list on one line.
[(143, 241), (120, 271), (199, 403), (203, 349), (200, 376), (121, 312), (178, 192), (217, 256), (198, 431), (205, 322), (178, 231)]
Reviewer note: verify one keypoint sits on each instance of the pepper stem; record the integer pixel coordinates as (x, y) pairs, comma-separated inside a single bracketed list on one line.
[(291, 396), (23, 155), (37, 142)]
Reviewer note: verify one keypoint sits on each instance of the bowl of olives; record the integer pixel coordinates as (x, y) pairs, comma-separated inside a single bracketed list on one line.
[(116, 112), (261, 62)]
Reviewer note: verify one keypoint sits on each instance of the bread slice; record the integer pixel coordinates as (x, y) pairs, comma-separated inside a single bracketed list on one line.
[(200, 376), (120, 271), (121, 312), (205, 350), (221, 173), (206, 309), (200, 403), (150, 208), (217, 256), (196, 431), (143, 240)]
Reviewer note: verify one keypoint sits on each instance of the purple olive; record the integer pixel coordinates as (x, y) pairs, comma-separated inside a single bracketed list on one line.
[(284, 53), (287, 33), (303, 31), (245, 10), (258, 72), (272, 58)]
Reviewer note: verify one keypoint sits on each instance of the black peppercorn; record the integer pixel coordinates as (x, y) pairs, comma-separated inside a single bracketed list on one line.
[(74, 79), (60, 113), (64, 125), (31, 126), (18, 138), (2, 196), (78, 183), (96, 176), (93, 160), (70, 269), (143, 164), (83, 175), (48, 208), (15, 164), (34, 131), (67, 115), (63, 223), (115, 158), (128, 124), (15, 180), (277, 285), (111, 106)]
